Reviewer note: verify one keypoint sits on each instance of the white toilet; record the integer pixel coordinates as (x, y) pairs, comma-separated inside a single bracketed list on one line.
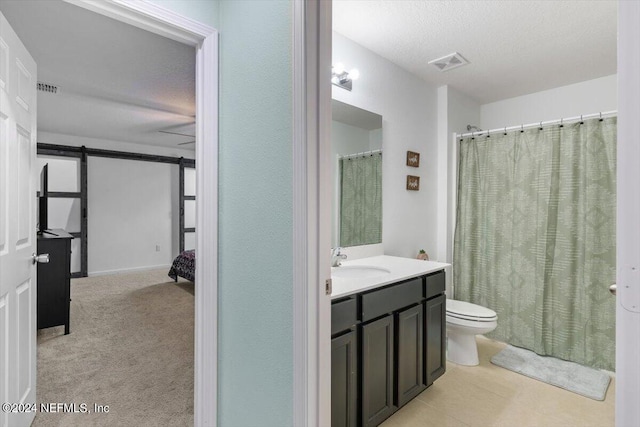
[(464, 322)]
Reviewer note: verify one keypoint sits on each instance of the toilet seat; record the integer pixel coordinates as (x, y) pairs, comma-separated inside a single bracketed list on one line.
[(470, 312)]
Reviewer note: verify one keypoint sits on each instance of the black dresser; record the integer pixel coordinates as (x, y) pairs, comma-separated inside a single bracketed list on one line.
[(54, 279)]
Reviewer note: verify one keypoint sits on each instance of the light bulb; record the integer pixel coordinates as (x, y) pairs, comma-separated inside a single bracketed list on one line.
[(338, 68), (354, 74)]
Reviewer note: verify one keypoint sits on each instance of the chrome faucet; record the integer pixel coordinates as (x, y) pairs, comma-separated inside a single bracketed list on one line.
[(336, 256)]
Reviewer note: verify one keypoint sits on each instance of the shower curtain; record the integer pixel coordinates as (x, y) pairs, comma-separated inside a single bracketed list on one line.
[(361, 200), (535, 237)]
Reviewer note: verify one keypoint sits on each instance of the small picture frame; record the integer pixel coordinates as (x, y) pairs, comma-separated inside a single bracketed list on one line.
[(413, 183), (413, 159)]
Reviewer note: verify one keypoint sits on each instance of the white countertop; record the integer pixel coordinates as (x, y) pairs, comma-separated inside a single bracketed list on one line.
[(400, 269)]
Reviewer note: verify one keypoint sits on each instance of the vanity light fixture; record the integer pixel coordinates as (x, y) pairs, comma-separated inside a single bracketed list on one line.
[(342, 78)]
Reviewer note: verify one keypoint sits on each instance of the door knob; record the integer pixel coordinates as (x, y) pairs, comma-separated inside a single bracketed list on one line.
[(42, 258), (613, 289)]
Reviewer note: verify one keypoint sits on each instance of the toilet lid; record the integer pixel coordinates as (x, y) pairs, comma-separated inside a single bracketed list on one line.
[(468, 311)]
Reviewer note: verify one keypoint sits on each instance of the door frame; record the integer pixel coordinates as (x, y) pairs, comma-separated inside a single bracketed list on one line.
[(204, 39), (628, 209), (311, 212)]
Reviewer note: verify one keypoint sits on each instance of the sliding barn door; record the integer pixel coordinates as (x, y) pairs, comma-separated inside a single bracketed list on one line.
[(17, 229)]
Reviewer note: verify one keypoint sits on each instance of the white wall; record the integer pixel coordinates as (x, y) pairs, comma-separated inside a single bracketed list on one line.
[(131, 214), (408, 107), (591, 96), (132, 206), (455, 111)]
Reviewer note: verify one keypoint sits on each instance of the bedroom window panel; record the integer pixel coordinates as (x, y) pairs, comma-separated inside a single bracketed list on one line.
[(64, 213), (66, 197), (189, 241), (189, 213), (187, 205), (64, 173), (189, 181)]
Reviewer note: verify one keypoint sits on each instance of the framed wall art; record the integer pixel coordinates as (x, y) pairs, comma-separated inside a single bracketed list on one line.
[(413, 159), (413, 183)]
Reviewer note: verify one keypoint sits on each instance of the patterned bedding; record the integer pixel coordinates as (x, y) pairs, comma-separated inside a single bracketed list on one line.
[(184, 266)]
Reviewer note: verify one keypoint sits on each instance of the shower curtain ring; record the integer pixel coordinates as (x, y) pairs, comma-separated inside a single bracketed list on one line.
[(600, 115), (521, 128), (505, 131), (541, 125), (581, 121), (488, 134), (561, 125)]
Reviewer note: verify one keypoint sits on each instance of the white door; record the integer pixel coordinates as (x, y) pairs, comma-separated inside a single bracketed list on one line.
[(17, 227), (628, 249)]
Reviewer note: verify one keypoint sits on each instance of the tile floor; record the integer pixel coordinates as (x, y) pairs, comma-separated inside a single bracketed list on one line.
[(487, 395)]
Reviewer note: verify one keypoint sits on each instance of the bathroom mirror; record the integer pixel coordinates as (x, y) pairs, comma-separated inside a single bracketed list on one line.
[(356, 153)]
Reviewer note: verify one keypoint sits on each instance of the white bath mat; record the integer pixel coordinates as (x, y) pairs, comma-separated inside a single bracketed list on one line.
[(571, 376)]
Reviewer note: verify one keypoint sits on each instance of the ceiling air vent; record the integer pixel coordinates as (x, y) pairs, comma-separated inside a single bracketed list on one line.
[(49, 88), (449, 62)]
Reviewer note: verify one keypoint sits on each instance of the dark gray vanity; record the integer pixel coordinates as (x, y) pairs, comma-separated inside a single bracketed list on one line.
[(387, 346)]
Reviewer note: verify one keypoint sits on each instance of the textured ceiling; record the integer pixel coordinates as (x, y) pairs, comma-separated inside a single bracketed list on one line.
[(117, 82), (514, 47)]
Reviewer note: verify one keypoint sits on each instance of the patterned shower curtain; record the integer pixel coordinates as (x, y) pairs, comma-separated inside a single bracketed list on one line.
[(361, 200), (535, 237)]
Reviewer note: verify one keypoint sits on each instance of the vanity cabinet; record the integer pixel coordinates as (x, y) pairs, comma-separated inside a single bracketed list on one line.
[(344, 363), (344, 380), (388, 345), (435, 326), (409, 349), (435, 338), (377, 370)]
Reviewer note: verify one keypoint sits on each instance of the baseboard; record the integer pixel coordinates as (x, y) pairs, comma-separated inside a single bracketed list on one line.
[(128, 270)]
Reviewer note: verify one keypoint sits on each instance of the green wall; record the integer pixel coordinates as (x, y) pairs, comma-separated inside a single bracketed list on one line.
[(255, 244), (255, 298)]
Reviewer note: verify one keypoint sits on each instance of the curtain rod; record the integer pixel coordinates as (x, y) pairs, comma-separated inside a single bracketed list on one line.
[(539, 124), (363, 154)]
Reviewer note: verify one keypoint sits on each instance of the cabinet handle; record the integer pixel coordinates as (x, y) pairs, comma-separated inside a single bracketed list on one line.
[(42, 258)]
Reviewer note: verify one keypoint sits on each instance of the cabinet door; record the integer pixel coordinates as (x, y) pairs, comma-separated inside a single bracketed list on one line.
[(344, 387), (435, 325), (377, 371), (409, 354)]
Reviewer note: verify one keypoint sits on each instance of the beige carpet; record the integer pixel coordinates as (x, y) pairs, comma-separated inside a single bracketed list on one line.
[(130, 347)]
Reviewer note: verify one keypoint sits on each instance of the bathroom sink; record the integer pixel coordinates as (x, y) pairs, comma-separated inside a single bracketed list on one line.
[(358, 271)]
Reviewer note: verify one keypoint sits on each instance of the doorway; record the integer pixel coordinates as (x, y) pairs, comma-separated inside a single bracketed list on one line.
[(626, 13), (203, 39)]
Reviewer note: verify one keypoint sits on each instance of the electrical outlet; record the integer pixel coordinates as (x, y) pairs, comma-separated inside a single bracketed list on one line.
[(157, 248)]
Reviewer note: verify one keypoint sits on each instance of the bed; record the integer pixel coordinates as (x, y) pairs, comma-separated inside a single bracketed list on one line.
[(184, 266)]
